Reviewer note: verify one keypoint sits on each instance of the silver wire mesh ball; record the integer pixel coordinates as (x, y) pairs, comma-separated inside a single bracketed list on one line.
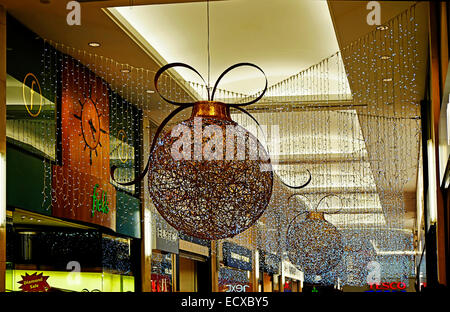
[(209, 199), (314, 244)]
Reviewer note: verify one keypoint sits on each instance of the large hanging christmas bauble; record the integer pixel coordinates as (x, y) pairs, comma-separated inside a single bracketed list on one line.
[(200, 181), (314, 244)]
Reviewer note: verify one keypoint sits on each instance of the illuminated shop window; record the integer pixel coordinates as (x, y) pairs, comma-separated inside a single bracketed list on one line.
[(161, 272)]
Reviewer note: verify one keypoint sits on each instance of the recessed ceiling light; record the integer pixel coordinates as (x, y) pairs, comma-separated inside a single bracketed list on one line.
[(387, 79), (125, 70), (94, 44), (38, 220), (383, 27), (22, 217), (31, 218)]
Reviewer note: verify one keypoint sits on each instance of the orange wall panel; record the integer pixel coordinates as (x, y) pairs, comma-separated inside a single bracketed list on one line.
[(85, 149)]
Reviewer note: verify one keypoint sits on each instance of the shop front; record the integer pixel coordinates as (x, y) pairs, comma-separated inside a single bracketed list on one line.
[(193, 265), (269, 267), (291, 277), (162, 271), (235, 269), (66, 257), (70, 228), (166, 248)]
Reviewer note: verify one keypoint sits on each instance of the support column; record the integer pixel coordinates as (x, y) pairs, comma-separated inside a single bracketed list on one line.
[(435, 98), (214, 267), (2, 148), (146, 214), (254, 276)]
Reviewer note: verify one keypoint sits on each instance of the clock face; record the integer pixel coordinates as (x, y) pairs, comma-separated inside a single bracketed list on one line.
[(90, 125)]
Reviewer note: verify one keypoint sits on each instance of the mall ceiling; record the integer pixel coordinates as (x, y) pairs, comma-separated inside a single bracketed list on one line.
[(275, 35), (245, 37), (348, 18)]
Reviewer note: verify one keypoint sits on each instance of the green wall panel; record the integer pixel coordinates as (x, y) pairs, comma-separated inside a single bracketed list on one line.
[(128, 215), (25, 182)]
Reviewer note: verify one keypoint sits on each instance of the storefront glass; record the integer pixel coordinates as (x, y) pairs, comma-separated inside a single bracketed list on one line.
[(64, 259), (51, 180), (270, 265), (31, 86), (161, 272), (234, 280), (235, 274), (29, 114)]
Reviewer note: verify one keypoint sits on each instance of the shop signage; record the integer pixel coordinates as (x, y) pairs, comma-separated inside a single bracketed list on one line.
[(195, 240), (123, 146), (269, 263), (291, 271), (194, 248), (29, 104), (236, 256), (237, 287), (400, 286), (230, 285), (99, 201), (166, 239), (34, 283)]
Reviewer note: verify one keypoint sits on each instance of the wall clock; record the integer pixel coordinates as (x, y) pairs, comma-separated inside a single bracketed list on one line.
[(90, 125)]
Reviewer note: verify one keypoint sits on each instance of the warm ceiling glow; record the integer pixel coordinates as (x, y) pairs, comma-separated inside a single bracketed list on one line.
[(282, 37)]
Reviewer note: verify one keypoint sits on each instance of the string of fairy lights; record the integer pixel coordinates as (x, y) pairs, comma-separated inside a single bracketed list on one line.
[(356, 128), (352, 121)]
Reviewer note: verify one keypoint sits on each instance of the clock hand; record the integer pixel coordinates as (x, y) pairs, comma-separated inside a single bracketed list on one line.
[(92, 125), (92, 128)]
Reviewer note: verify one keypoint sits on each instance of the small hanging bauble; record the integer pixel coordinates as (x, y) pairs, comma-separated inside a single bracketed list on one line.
[(204, 188), (314, 244)]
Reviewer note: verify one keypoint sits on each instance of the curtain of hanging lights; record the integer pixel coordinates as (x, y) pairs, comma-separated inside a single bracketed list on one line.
[(353, 121)]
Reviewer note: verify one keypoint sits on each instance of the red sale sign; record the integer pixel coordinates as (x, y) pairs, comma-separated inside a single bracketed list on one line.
[(34, 283)]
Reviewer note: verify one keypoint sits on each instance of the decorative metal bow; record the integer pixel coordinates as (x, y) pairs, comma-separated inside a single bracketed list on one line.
[(182, 106)]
